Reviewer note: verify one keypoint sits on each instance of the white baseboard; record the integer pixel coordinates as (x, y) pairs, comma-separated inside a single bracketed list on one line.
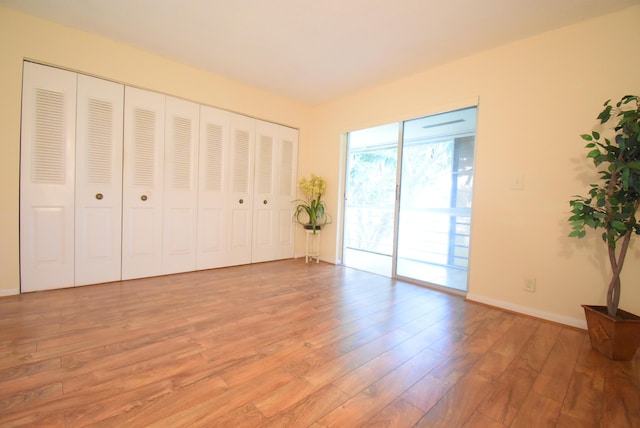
[(573, 322), (9, 292)]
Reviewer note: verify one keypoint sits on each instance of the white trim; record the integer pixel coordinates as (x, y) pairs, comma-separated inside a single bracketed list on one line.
[(403, 116), (574, 322), (9, 292)]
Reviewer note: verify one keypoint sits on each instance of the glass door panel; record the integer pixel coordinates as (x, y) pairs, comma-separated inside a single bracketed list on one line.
[(435, 198), (369, 218)]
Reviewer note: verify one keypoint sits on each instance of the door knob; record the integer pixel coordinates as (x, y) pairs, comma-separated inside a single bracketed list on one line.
[(143, 197), (264, 202), (99, 196), (241, 201)]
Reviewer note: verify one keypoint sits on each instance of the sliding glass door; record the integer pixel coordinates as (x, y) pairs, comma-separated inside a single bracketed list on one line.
[(435, 199), (422, 231), (370, 202)]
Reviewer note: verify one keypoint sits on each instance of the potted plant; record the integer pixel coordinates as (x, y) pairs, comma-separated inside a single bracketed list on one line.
[(310, 212), (612, 206)]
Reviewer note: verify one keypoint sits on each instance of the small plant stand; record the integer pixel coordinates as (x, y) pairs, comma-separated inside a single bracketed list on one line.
[(312, 246)]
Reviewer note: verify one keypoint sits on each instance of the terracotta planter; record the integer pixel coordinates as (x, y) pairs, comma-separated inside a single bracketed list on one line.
[(617, 339)]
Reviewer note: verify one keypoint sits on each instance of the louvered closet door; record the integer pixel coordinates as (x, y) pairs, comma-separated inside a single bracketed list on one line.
[(285, 190), (142, 197), (98, 198), (47, 178), (274, 191), (180, 186), (213, 189), (264, 239), (240, 204)]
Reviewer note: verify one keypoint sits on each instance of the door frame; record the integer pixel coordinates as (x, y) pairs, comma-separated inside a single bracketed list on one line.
[(471, 104)]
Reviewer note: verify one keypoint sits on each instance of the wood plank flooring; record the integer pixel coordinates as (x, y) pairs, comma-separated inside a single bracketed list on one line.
[(289, 344)]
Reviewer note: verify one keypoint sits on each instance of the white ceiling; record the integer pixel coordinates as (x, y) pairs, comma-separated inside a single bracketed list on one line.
[(314, 51)]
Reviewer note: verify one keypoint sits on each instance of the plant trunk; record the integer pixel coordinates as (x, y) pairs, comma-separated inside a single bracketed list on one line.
[(613, 292), (613, 297)]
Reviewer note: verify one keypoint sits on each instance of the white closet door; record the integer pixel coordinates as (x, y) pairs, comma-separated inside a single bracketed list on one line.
[(265, 210), (274, 191), (285, 191), (142, 183), (242, 132), (98, 197), (213, 189), (180, 186), (47, 178)]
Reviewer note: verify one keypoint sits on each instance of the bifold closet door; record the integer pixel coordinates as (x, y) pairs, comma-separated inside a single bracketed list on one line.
[(142, 189), (179, 240), (47, 178), (274, 192), (240, 202), (98, 193), (286, 192), (213, 189)]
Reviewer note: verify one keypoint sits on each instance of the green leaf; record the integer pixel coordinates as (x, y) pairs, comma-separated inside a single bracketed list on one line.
[(593, 153), (618, 225), (596, 135), (626, 172), (628, 114), (591, 222), (605, 115), (628, 98), (586, 137)]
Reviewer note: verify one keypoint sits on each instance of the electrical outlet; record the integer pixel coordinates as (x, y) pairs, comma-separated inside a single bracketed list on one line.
[(517, 182), (530, 285)]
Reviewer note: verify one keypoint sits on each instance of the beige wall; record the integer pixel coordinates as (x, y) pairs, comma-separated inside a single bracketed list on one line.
[(24, 36), (535, 97)]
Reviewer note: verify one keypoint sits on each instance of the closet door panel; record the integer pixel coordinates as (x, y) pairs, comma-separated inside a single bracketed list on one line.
[(47, 178), (242, 133), (98, 198), (213, 189), (275, 189), (142, 197), (264, 238), (180, 186), (285, 191)]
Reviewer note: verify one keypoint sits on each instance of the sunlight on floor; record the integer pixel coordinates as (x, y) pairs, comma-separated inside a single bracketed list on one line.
[(380, 264)]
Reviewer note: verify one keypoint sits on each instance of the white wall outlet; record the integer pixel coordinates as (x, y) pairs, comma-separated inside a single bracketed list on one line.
[(517, 182), (530, 285)]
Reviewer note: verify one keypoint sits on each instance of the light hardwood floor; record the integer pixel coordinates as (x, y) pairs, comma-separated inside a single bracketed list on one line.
[(294, 344)]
